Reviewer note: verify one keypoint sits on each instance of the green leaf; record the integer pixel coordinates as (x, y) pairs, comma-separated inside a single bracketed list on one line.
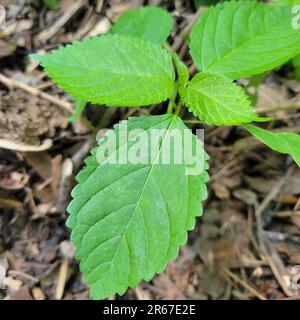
[(296, 65), (52, 4), (290, 3), (242, 38), (79, 107), (295, 60), (182, 70), (199, 3), (114, 70), (217, 100), (283, 142), (150, 23), (129, 220)]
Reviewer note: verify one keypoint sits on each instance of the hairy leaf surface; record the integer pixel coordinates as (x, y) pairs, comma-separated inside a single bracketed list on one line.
[(283, 142), (242, 38), (129, 220), (115, 70), (150, 23), (217, 100)]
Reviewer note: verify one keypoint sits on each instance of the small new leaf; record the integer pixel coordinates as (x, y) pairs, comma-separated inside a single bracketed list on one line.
[(217, 100), (182, 71), (149, 23), (282, 142), (243, 38), (129, 220), (115, 70)]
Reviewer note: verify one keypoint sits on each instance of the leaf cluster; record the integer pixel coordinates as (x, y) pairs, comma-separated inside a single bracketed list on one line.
[(129, 220)]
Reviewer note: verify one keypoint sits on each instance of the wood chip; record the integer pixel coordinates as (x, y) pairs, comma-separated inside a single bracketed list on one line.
[(38, 294)]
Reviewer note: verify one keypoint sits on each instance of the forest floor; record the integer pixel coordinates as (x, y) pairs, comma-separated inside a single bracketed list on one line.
[(246, 245)]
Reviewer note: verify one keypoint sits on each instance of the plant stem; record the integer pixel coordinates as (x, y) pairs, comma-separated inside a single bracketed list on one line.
[(79, 107), (178, 108), (168, 47), (172, 100), (172, 103), (193, 121)]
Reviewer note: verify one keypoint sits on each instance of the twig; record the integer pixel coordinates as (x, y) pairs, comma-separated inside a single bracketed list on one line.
[(48, 33), (231, 163), (267, 249), (23, 274), (61, 281), (282, 237), (272, 195), (287, 213), (17, 146), (36, 92), (99, 6), (65, 185), (297, 205), (82, 152), (178, 42), (289, 106), (244, 284)]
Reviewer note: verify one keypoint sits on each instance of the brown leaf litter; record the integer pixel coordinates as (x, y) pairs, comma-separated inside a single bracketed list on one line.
[(247, 242)]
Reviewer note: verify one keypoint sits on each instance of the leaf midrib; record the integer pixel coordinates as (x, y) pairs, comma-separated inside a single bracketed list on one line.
[(141, 194), (108, 72), (216, 101)]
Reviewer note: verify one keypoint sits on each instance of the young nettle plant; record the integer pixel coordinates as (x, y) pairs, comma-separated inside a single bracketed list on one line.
[(129, 220)]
